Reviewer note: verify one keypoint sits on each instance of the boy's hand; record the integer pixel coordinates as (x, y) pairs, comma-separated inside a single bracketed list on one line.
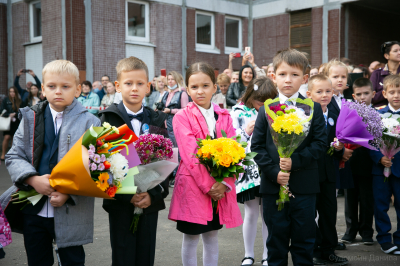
[(285, 164), (58, 199), (386, 161), (347, 154), (144, 202), (41, 184), (250, 127), (338, 147), (137, 198), (283, 178)]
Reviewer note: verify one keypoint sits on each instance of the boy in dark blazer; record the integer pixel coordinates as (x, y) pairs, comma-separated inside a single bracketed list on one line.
[(320, 91), (295, 224), (134, 248), (383, 189), (361, 168)]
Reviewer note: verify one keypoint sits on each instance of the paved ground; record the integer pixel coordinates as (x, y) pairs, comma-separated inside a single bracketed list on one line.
[(169, 242)]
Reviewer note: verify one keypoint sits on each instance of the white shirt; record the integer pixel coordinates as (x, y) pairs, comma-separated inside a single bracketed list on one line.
[(393, 110), (303, 90), (283, 98), (48, 210), (117, 97), (326, 116), (210, 118), (136, 124), (338, 99)]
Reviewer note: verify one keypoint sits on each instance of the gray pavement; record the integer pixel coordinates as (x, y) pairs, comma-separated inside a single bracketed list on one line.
[(169, 240)]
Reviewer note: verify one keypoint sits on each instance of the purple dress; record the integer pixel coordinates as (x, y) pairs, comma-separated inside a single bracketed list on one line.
[(5, 230)]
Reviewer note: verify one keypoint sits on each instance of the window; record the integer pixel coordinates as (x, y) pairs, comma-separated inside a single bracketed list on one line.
[(205, 30), (300, 31), (137, 21), (35, 15), (233, 35)]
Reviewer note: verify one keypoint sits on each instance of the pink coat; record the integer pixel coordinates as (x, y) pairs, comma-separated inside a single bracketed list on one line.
[(190, 201)]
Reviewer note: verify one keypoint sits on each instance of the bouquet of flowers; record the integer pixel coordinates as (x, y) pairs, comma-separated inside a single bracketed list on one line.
[(223, 157), (358, 125), (289, 126), (98, 165), (153, 147), (390, 144)]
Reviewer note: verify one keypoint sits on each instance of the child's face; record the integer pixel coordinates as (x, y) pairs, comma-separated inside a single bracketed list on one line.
[(313, 72), (289, 79), (223, 87), (133, 86), (321, 93), (363, 94), (85, 89), (257, 104), (392, 94), (338, 76), (201, 89), (60, 90), (235, 78)]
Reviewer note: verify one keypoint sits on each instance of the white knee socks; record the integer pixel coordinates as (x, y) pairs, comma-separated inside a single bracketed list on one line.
[(210, 249)]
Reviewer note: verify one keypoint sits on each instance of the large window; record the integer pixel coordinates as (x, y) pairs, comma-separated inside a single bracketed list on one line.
[(300, 31), (205, 30), (233, 35), (35, 17), (137, 21)]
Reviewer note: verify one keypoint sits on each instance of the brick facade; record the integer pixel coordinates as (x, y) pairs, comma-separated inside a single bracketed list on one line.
[(3, 49), (108, 34), (333, 34), (20, 24), (51, 31), (316, 36), (270, 35)]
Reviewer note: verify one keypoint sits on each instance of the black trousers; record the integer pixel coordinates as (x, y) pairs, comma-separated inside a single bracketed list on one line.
[(361, 194), (132, 249), (326, 229), (295, 224), (38, 238)]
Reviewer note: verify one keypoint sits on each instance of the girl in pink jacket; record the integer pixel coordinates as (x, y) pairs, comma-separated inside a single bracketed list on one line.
[(191, 204)]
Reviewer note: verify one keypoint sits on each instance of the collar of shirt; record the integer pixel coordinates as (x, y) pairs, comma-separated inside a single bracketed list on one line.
[(326, 113), (209, 117), (338, 99), (392, 109), (58, 116), (283, 98), (132, 113)]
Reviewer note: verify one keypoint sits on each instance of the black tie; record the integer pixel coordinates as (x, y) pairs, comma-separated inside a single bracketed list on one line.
[(138, 117)]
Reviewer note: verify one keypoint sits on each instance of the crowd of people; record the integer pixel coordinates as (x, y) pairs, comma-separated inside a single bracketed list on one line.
[(204, 104)]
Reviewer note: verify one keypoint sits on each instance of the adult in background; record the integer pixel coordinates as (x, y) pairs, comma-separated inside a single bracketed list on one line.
[(372, 66), (152, 96), (236, 90), (24, 93), (223, 81), (97, 86), (364, 70), (235, 77), (34, 96), (270, 70), (89, 98), (391, 52), (161, 90), (249, 58), (9, 108), (103, 91), (108, 99)]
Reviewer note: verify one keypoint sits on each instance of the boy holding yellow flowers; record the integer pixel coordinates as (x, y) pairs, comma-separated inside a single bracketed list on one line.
[(294, 224)]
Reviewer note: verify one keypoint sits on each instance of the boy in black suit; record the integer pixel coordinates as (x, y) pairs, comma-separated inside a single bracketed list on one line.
[(294, 224), (134, 248), (361, 167), (320, 91)]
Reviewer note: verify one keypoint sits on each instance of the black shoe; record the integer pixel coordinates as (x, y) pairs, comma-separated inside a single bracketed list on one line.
[(263, 261), (318, 261), (347, 239), (367, 241), (336, 260), (340, 246), (247, 258), (388, 247)]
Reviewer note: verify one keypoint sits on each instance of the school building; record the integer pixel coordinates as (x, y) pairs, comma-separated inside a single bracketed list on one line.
[(172, 34)]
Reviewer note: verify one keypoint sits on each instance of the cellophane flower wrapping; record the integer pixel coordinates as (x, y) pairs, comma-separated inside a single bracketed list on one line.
[(390, 144), (289, 126)]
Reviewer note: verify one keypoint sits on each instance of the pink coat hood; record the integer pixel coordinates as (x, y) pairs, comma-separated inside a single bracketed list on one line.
[(190, 201)]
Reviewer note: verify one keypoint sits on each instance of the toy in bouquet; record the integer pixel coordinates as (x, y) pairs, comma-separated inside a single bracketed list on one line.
[(358, 125), (390, 144), (289, 127)]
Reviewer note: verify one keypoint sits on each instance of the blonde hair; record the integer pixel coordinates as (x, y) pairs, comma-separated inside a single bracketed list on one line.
[(333, 63), (130, 64), (160, 78), (178, 79), (223, 78), (61, 67), (391, 81), (235, 73), (317, 78)]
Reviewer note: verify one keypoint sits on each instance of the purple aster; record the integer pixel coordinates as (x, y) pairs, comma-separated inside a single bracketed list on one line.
[(91, 154), (100, 167), (92, 148), (93, 167), (96, 158), (103, 158)]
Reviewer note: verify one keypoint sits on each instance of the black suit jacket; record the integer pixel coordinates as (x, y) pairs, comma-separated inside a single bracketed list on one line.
[(333, 107), (326, 166), (117, 116), (304, 174)]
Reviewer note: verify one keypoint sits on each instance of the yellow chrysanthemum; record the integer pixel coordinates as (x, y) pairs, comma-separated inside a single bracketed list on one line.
[(288, 123), (103, 181), (224, 151)]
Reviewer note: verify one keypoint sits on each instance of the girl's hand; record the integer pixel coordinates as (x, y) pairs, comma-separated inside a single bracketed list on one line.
[(250, 127), (218, 189), (386, 161), (167, 110)]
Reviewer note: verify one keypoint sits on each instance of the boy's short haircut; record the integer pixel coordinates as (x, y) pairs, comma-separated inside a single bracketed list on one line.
[(333, 63), (293, 58), (363, 82), (317, 78), (391, 81), (87, 83), (61, 67), (223, 78), (130, 64)]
